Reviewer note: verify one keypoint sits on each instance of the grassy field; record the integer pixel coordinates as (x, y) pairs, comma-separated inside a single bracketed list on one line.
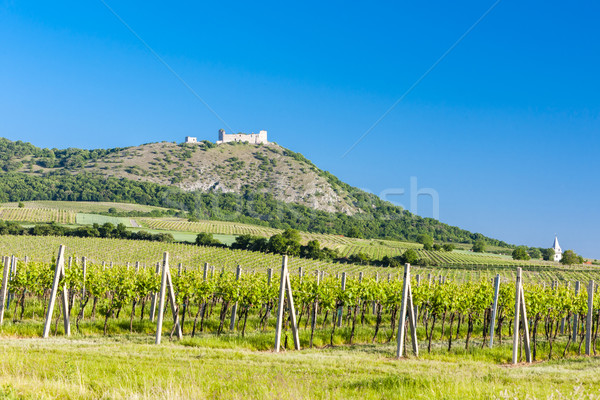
[(89, 219), (228, 366), (132, 367)]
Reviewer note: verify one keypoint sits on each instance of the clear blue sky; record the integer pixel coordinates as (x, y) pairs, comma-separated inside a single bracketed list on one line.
[(505, 128)]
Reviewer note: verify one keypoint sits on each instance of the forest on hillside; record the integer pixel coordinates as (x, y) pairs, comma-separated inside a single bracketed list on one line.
[(383, 221)]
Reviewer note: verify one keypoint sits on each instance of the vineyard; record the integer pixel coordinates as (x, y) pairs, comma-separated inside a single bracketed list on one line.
[(121, 252), (184, 230), (84, 206), (361, 309), (217, 227), (37, 215), (228, 299), (374, 248)]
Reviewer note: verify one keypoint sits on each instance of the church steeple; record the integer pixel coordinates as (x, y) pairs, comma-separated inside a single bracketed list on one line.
[(557, 249)]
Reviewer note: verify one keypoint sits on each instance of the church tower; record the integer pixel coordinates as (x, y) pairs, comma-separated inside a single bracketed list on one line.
[(557, 250)]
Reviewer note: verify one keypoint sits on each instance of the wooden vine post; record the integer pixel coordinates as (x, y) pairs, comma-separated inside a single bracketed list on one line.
[(238, 275), (494, 309), (205, 272), (575, 315), (154, 297), (374, 303), (4, 287), (315, 309), (588, 322), (520, 316), (286, 288), (415, 307), (11, 276), (166, 284), (340, 310), (59, 273), (407, 307)]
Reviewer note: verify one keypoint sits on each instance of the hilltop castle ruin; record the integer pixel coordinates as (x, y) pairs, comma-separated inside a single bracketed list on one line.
[(252, 138)]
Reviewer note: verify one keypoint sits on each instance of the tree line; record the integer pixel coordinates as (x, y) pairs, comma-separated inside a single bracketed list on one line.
[(380, 220), (106, 230), (288, 242)]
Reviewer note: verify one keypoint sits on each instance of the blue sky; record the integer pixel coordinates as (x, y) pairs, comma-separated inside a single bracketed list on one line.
[(504, 129)]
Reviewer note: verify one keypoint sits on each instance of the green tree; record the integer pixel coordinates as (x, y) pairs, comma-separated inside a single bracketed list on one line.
[(569, 257), (535, 253), (520, 253), (292, 235), (448, 247), (410, 256), (285, 243), (360, 258), (206, 239), (354, 232), (311, 250), (426, 241), (548, 254), (21, 204), (479, 246)]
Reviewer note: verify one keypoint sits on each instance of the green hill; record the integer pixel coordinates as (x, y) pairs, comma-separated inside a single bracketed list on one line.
[(263, 185)]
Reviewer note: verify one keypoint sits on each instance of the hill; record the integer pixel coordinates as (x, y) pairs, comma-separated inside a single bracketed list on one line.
[(229, 168), (264, 185)]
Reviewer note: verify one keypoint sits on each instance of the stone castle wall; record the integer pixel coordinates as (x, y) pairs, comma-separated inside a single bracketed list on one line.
[(252, 138)]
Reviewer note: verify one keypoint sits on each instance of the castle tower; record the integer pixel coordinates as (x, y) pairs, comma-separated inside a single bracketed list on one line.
[(557, 250)]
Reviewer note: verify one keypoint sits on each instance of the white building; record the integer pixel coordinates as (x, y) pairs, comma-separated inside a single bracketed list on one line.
[(557, 250), (252, 138), (191, 139)]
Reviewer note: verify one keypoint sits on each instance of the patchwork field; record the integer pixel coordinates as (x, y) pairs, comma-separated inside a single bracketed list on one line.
[(184, 230)]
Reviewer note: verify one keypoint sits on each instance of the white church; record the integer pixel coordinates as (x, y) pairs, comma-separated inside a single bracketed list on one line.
[(557, 250)]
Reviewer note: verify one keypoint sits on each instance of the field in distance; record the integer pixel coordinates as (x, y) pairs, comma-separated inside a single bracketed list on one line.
[(120, 252), (86, 213)]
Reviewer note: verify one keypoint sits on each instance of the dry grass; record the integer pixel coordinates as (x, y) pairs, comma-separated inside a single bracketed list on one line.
[(132, 368)]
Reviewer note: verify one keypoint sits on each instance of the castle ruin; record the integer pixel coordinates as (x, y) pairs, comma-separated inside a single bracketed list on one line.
[(252, 138)]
